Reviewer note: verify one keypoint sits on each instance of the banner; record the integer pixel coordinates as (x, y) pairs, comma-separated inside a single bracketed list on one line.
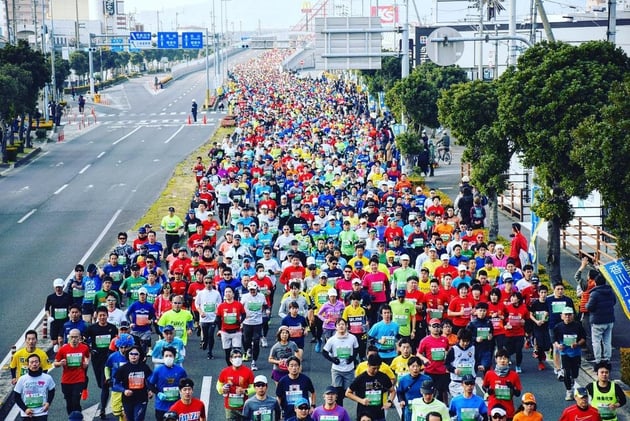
[(388, 14), (616, 273)]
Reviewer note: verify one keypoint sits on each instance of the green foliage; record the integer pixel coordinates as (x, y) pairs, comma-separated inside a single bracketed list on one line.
[(625, 364), (417, 95), (79, 62), (603, 149), (29, 72), (409, 143), (62, 69), (553, 89), (384, 78)]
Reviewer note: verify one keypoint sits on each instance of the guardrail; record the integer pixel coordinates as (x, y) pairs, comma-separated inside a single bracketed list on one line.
[(589, 240), (513, 202)]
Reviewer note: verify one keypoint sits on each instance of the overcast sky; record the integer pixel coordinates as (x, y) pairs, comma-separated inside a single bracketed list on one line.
[(245, 14)]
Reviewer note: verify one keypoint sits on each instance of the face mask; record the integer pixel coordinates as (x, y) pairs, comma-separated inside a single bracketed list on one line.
[(169, 361), (237, 361), (502, 371), (260, 275)]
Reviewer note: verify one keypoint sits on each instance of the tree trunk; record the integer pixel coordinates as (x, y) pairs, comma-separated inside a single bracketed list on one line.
[(21, 128), (553, 251), (29, 140), (493, 220), (3, 142)]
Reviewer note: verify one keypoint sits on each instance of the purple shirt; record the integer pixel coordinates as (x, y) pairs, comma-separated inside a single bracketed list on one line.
[(337, 411)]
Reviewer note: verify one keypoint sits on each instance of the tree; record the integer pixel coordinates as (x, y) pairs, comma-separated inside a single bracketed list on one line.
[(416, 96), (470, 111), (603, 149), (554, 87), (383, 79), (62, 69), (33, 63), (79, 63)]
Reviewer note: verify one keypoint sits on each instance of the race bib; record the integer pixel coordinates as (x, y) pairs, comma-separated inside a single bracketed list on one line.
[(254, 306), (558, 306), (438, 354), (503, 393), (401, 320), (209, 307), (60, 313), (102, 341), (374, 397), (344, 352), (74, 360), (230, 318), (377, 286), (34, 400), (568, 340), (483, 333), (171, 393), (235, 401), (136, 381)]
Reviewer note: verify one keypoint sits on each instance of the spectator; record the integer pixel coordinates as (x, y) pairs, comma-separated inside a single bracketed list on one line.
[(601, 307)]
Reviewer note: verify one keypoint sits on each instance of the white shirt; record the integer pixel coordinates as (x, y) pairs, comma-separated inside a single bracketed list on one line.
[(207, 301)]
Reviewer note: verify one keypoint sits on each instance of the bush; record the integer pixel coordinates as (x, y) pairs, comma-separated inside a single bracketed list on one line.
[(625, 365)]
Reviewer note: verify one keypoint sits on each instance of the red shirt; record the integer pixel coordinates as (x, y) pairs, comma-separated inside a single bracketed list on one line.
[(194, 411), (73, 372), (433, 301), (390, 233), (574, 413), (416, 297), (265, 286), (193, 289), (435, 350), (516, 316), (292, 272), (230, 314), (493, 381), (179, 287), (242, 376), (496, 313), (377, 286), (441, 270), (458, 304)]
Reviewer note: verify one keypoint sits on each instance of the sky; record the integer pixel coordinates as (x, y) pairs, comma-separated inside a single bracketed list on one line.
[(241, 14)]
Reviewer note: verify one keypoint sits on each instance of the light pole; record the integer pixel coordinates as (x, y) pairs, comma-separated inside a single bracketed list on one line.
[(207, 101), (52, 52)]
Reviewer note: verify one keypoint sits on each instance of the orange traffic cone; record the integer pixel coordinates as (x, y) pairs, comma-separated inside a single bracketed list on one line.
[(204, 119), (189, 120)]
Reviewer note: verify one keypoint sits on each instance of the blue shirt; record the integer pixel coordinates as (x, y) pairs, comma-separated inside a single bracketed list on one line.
[(166, 380), (390, 332), (474, 403)]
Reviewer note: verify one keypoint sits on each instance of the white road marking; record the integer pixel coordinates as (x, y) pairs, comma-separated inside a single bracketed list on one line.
[(175, 134), (206, 392), (25, 217), (84, 169), (100, 155), (127, 135), (60, 189), (35, 323)]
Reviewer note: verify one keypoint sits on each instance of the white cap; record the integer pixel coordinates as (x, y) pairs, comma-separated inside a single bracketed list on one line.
[(310, 260), (58, 283), (332, 292), (404, 257), (462, 267), (252, 285), (465, 179), (499, 246), (260, 379), (444, 257), (142, 290)]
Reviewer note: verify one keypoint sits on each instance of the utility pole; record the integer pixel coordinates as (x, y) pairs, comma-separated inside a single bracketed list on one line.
[(52, 51), (35, 22), (76, 29)]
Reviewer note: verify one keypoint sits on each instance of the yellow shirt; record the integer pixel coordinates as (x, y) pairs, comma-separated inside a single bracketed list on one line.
[(356, 319), (400, 365), (493, 274), (363, 260), (319, 295), (362, 368), (20, 364), (432, 265)]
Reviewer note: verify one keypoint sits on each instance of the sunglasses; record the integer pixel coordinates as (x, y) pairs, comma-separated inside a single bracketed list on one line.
[(469, 383), (529, 403), (303, 408), (177, 302), (436, 326), (135, 354), (208, 283), (260, 384)]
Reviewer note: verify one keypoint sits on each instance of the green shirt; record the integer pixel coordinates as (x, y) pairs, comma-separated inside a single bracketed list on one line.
[(403, 314), (131, 286), (401, 275), (348, 239)]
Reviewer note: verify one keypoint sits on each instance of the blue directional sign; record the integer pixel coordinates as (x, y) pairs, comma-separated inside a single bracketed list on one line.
[(192, 39), (167, 40), (140, 40), (117, 44)]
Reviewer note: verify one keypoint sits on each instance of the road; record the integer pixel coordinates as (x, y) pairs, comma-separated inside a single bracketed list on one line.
[(67, 205)]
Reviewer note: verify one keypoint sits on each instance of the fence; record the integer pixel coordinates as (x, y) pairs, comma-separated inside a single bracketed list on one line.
[(580, 237)]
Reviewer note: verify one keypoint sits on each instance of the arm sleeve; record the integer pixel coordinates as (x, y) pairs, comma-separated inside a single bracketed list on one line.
[(18, 401), (51, 396)]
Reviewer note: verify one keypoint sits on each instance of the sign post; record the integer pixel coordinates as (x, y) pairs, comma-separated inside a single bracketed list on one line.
[(193, 40), (140, 40), (167, 40)]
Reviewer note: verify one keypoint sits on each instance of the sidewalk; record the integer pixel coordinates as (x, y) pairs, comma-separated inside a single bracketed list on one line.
[(569, 264)]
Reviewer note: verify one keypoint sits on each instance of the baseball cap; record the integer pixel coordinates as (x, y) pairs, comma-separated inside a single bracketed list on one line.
[(300, 401), (142, 230), (567, 310), (332, 292), (498, 410), (356, 281), (529, 398), (461, 267), (330, 390), (427, 387), (499, 247), (260, 379), (434, 321), (237, 236), (444, 256), (358, 264), (404, 257), (535, 279), (124, 325), (580, 392), (390, 253), (467, 378), (168, 328), (58, 283), (252, 285), (400, 293), (142, 290)]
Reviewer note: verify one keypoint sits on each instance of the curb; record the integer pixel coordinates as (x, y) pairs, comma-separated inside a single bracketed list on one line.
[(23, 160)]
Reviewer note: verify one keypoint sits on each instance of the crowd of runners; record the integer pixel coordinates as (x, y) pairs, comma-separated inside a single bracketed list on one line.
[(303, 224)]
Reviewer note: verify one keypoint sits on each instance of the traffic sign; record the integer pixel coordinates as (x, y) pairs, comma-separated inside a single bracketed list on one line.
[(192, 39), (168, 40), (117, 44), (140, 40)]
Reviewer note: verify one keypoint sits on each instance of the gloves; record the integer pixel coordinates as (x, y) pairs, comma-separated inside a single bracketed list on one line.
[(510, 385), (336, 360), (161, 396), (350, 360), (490, 391)]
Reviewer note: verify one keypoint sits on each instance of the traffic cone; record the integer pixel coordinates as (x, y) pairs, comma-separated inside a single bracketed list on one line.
[(204, 119), (189, 120)]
